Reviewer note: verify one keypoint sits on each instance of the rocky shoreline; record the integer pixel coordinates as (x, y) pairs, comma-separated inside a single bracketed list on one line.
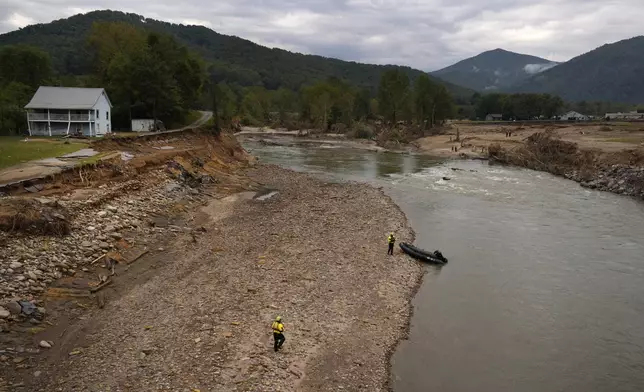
[(620, 179), (314, 253)]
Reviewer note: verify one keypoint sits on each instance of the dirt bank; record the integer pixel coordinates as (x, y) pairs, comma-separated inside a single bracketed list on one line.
[(608, 157), (194, 312)]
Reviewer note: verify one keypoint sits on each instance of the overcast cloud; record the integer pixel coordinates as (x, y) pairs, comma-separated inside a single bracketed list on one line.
[(424, 34)]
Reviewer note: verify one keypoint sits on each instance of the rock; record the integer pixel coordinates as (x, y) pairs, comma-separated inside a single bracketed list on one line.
[(15, 265), (32, 275), (13, 307), (20, 278), (116, 236), (45, 344), (37, 373), (446, 178), (197, 340), (4, 313), (102, 214), (86, 244), (111, 208), (147, 351), (104, 245), (91, 228)]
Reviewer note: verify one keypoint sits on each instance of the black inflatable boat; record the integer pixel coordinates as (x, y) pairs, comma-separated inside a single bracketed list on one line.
[(435, 257)]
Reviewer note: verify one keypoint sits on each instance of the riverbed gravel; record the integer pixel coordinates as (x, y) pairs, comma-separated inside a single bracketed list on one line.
[(314, 253)]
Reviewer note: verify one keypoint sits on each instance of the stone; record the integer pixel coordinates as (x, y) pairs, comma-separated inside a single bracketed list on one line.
[(147, 351), (20, 278), (15, 265), (111, 208), (102, 214), (4, 313), (91, 228), (45, 344), (116, 236), (32, 275), (104, 245), (13, 307), (86, 244), (37, 373)]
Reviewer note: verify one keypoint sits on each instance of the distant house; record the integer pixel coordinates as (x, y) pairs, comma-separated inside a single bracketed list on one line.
[(574, 116), (625, 116), (69, 111), (494, 117)]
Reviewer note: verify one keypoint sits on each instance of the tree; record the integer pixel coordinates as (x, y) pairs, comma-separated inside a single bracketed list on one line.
[(393, 94), (26, 65), (362, 107)]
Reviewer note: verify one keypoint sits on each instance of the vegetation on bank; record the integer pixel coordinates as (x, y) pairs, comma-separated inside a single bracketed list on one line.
[(14, 150)]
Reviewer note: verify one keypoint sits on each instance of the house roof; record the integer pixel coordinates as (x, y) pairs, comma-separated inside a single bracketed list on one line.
[(66, 98)]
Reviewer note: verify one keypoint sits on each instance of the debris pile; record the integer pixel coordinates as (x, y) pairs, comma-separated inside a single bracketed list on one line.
[(621, 172)]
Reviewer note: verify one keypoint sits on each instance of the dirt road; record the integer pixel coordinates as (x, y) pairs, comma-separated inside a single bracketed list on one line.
[(315, 253)]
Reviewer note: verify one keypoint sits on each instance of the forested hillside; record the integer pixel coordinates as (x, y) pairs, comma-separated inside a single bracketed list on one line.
[(231, 59), (612, 72)]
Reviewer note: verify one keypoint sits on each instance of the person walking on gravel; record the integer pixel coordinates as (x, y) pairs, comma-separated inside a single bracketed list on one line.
[(278, 333), (391, 240)]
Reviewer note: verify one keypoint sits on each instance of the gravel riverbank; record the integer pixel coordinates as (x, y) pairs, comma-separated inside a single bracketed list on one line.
[(314, 253)]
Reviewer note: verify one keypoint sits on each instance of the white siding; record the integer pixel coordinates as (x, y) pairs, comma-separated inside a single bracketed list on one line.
[(142, 125), (104, 117)]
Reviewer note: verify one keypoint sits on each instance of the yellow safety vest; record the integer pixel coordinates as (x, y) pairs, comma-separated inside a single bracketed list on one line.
[(391, 239), (278, 327)]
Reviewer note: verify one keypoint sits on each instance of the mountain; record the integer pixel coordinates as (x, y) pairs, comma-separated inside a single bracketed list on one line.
[(494, 69), (232, 59), (613, 72)]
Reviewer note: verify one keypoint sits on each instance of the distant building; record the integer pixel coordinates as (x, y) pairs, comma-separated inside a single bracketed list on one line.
[(69, 111), (574, 116), (494, 117), (625, 116)]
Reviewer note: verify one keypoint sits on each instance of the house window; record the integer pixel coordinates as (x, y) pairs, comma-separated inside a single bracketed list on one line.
[(107, 115), (98, 114)]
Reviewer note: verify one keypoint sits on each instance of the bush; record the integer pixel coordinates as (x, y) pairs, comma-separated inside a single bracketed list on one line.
[(361, 131)]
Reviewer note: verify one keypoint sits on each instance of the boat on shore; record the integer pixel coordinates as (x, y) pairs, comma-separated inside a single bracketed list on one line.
[(435, 257)]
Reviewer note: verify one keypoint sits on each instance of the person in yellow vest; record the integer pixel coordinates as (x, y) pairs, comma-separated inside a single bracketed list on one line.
[(391, 240), (278, 333)]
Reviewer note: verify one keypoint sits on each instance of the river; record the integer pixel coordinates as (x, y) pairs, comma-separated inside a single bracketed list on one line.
[(544, 290)]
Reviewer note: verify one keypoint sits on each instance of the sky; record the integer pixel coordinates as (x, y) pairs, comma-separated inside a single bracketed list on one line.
[(424, 34)]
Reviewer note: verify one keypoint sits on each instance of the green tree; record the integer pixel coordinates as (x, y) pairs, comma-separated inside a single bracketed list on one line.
[(25, 65), (393, 94)]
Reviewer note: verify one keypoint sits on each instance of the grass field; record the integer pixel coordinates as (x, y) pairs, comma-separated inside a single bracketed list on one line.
[(13, 150)]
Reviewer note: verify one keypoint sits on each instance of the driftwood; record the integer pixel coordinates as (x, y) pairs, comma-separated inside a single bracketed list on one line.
[(146, 251), (97, 259), (100, 286)]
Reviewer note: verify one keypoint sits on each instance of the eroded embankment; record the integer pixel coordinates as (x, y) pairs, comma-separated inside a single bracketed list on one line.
[(620, 172)]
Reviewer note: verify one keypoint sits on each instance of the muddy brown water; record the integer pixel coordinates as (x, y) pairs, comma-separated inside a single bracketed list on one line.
[(544, 290)]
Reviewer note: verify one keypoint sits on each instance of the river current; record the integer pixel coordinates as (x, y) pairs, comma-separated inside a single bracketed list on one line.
[(544, 290)]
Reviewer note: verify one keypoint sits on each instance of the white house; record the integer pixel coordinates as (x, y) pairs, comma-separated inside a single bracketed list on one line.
[(624, 116), (574, 116), (69, 111)]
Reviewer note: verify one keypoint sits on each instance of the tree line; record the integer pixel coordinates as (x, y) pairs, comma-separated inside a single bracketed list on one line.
[(527, 106)]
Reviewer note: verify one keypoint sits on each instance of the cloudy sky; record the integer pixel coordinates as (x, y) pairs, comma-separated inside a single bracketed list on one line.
[(425, 34)]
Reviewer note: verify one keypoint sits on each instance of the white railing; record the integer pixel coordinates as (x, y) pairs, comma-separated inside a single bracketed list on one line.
[(38, 116), (60, 117)]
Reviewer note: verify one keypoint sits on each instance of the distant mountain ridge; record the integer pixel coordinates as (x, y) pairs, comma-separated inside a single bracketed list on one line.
[(613, 72), (493, 70), (233, 59)]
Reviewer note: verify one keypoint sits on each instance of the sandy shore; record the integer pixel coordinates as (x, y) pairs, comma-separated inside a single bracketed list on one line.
[(314, 253)]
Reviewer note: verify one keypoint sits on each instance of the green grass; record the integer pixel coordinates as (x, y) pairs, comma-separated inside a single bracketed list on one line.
[(192, 117), (632, 140), (14, 151)]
